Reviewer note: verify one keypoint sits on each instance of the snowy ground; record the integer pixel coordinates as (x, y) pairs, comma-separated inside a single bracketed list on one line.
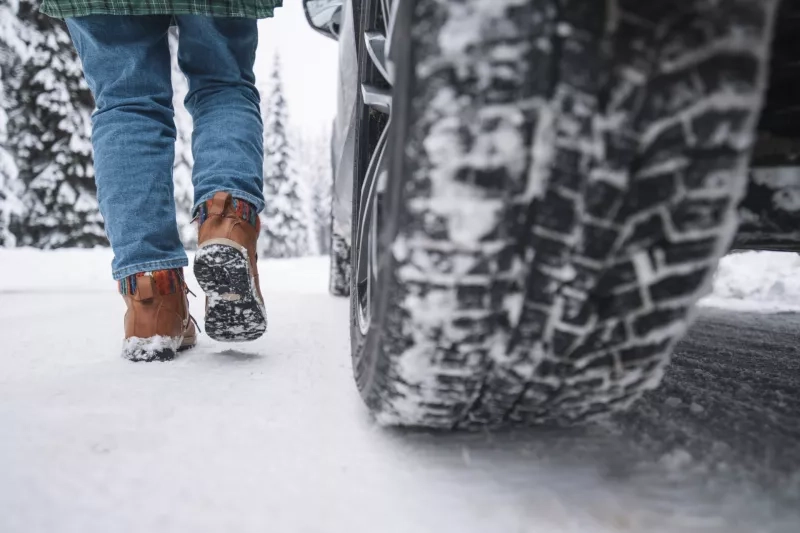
[(271, 436)]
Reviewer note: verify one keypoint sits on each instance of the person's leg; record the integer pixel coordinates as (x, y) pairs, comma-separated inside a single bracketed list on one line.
[(217, 56), (126, 63)]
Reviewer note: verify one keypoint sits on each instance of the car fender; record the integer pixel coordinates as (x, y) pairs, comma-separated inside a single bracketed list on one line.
[(343, 141)]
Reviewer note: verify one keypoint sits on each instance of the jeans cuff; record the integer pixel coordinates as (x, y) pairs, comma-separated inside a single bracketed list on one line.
[(149, 267), (258, 203)]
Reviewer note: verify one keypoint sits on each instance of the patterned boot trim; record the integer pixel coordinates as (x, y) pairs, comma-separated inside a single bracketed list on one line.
[(244, 210), (167, 281)]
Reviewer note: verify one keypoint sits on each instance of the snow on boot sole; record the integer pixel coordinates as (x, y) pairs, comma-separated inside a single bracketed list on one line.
[(234, 311), (158, 348)]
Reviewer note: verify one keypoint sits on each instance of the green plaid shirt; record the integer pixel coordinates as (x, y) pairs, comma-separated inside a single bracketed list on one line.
[(215, 8)]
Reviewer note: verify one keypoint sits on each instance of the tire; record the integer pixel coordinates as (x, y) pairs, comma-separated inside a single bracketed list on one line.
[(339, 274), (339, 281), (563, 179)]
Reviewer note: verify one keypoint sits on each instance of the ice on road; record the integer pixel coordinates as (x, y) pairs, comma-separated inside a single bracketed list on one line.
[(272, 436)]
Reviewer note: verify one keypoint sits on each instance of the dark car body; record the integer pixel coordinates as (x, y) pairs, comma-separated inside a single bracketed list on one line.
[(343, 135)]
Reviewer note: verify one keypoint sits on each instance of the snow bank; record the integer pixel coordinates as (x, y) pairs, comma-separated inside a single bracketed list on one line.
[(757, 281), (748, 281), (30, 270)]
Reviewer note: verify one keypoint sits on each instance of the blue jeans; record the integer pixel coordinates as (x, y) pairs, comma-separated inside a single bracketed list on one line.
[(126, 63)]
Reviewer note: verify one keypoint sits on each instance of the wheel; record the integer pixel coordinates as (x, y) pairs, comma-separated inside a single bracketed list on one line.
[(339, 281), (543, 191), (339, 274)]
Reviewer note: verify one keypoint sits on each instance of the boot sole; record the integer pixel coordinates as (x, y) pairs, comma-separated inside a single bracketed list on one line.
[(234, 311)]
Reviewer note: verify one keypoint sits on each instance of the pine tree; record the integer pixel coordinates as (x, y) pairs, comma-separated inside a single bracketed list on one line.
[(13, 51), (182, 168), (50, 135), (317, 177), (10, 204), (284, 224)]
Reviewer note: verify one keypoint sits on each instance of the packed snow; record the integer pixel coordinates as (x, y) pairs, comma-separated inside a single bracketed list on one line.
[(272, 436)]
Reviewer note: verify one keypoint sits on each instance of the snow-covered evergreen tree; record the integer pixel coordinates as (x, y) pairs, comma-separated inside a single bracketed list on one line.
[(50, 135), (13, 51), (317, 178), (284, 223), (10, 186), (182, 168), (10, 205)]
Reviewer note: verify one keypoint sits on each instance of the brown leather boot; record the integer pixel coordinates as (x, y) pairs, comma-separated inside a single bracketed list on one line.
[(225, 266), (157, 323)]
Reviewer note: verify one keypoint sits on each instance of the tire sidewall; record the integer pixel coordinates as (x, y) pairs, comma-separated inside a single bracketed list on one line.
[(366, 349)]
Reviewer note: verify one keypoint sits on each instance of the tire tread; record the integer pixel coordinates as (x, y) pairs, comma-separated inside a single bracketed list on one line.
[(572, 176)]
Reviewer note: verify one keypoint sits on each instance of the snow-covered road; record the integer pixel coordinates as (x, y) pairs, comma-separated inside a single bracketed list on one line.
[(271, 436)]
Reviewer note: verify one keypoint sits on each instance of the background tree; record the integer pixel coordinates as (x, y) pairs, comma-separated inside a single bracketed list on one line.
[(284, 222), (13, 52), (317, 178), (49, 133)]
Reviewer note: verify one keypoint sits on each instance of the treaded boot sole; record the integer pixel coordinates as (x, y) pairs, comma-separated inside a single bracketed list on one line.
[(234, 312)]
